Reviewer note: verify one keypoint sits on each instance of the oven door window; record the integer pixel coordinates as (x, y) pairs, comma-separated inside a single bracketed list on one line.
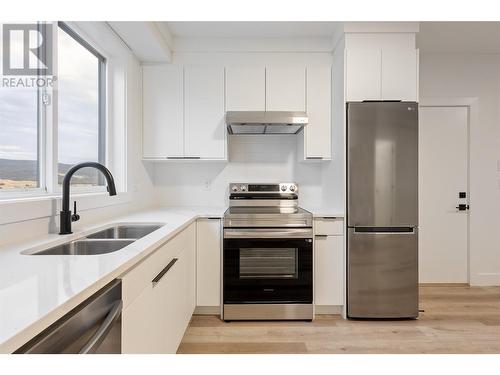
[(268, 263), (267, 270)]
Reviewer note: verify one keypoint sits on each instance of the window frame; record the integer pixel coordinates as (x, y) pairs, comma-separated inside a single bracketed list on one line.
[(47, 126), (102, 156)]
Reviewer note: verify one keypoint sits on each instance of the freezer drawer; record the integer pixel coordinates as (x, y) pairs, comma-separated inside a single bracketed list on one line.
[(382, 158), (382, 273)]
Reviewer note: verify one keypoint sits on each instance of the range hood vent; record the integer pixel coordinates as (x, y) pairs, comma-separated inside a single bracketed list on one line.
[(261, 122)]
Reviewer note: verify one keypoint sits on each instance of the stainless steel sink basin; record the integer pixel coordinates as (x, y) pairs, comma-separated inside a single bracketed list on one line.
[(126, 231), (86, 247)]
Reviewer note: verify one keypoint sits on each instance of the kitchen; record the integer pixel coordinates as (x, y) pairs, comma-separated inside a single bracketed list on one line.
[(251, 187)]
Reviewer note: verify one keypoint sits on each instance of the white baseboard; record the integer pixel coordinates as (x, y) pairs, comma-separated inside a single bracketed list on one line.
[(485, 279), (207, 310), (327, 309)]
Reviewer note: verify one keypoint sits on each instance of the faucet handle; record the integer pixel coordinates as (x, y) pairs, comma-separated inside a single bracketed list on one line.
[(75, 216)]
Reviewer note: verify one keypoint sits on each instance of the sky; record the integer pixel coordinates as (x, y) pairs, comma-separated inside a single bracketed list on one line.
[(77, 76)]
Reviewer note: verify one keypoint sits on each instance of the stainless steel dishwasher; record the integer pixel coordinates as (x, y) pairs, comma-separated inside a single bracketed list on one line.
[(94, 326)]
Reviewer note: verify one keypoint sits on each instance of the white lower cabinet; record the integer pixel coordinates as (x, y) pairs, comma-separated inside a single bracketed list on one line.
[(328, 263), (208, 260), (156, 319)]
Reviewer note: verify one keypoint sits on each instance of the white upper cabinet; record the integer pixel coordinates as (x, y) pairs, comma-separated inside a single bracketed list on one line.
[(399, 74), (317, 142), (382, 74), (162, 111), (245, 89), (204, 126), (285, 88), (363, 70)]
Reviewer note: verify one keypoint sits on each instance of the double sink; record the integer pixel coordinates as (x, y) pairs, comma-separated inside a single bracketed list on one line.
[(102, 241)]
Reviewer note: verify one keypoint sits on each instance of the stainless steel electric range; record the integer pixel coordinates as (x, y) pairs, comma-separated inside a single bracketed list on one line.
[(267, 254)]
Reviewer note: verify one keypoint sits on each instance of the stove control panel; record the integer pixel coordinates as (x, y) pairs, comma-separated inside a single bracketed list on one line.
[(283, 188)]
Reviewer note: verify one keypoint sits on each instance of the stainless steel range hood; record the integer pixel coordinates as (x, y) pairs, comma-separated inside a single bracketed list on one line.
[(261, 122)]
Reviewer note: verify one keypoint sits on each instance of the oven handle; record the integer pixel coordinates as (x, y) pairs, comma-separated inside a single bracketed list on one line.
[(268, 233)]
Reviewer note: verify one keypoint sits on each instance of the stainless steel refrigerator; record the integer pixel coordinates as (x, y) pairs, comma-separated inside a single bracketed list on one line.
[(382, 210)]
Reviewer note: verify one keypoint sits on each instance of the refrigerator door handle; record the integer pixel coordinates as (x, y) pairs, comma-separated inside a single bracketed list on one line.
[(385, 230)]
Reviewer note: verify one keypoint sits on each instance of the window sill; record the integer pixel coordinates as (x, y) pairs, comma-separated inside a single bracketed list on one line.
[(31, 208)]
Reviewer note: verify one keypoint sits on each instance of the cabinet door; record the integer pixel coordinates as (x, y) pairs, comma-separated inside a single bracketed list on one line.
[(154, 322), (208, 263), (399, 75), (329, 270), (205, 131), (285, 89), (162, 89), (245, 89), (190, 256), (363, 74), (318, 132)]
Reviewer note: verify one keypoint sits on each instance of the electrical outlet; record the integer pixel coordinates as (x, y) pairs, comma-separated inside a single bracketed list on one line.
[(207, 185)]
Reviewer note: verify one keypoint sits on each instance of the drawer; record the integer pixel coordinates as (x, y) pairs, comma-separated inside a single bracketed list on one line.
[(329, 226), (141, 276)]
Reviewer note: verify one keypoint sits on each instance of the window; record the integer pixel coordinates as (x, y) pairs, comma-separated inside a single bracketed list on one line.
[(81, 134), (30, 161), (19, 130)]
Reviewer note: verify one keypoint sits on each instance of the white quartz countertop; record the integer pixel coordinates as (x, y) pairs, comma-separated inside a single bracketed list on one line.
[(324, 211), (35, 291)]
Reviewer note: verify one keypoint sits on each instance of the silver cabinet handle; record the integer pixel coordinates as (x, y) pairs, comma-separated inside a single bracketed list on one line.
[(158, 277), (94, 342)]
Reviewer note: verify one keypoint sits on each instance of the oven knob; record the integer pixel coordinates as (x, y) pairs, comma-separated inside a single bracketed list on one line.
[(292, 188), (234, 189), (243, 188), (283, 187)]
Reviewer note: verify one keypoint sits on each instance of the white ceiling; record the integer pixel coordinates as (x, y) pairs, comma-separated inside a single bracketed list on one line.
[(459, 37), (253, 29)]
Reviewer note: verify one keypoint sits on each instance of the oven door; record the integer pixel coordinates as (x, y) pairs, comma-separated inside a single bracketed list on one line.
[(267, 266)]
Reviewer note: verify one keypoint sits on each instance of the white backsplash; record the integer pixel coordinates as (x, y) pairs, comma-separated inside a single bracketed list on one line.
[(252, 159)]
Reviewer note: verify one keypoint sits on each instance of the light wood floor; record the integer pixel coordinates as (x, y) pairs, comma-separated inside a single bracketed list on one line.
[(457, 319)]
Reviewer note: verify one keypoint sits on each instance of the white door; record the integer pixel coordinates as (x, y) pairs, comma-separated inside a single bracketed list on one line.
[(399, 74), (329, 270), (443, 174), (318, 133), (245, 89), (363, 74), (286, 89), (163, 119), (204, 127), (208, 255)]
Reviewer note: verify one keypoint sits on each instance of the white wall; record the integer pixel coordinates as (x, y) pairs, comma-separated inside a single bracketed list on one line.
[(32, 218), (251, 158), (468, 75)]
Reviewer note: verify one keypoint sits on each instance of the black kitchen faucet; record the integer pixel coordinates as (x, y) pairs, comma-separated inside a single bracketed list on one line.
[(66, 217)]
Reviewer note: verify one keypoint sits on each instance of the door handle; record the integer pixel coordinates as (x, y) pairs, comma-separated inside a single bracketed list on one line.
[(103, 330), (158, 277), (462, 207)]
